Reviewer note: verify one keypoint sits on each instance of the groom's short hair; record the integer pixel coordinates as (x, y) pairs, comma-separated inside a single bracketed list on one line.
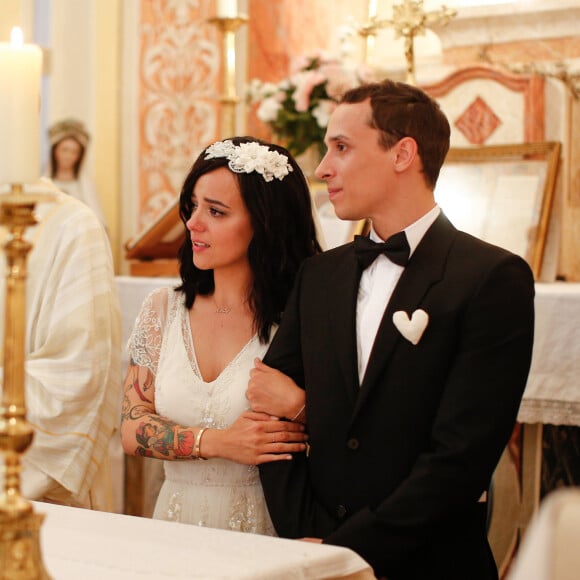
[(401, 110)]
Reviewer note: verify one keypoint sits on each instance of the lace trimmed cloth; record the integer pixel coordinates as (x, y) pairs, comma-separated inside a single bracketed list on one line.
[(215, 493), (552, 395)]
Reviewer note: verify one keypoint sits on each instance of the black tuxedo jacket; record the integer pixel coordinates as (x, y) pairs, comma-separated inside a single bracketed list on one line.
[(398, 463)]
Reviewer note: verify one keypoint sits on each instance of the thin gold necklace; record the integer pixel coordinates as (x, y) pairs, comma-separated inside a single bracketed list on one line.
[(221, 309), (225, 309)]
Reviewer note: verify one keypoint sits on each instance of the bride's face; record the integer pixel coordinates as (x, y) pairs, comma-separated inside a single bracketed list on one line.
[(67, 152), (220, 225)]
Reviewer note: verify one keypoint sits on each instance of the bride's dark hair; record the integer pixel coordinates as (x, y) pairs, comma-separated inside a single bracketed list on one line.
[(284, 235)]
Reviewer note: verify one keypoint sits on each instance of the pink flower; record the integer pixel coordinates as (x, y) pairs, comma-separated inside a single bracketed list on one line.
[(305, 82)]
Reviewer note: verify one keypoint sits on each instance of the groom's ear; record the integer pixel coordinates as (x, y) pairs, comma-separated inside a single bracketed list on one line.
[(405, 151)]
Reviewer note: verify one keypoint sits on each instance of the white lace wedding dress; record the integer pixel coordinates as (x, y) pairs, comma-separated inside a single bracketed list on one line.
[(215, 493)]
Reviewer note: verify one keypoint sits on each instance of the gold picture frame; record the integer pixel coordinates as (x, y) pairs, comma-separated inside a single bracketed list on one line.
[(502, 194)]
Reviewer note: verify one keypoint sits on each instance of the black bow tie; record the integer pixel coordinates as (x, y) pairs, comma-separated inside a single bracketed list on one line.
[(396, 248)]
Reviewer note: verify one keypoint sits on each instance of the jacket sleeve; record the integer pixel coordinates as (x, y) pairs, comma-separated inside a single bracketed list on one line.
[(293, 507)]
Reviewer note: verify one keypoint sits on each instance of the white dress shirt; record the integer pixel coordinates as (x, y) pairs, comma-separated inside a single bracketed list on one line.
[(376, 288)]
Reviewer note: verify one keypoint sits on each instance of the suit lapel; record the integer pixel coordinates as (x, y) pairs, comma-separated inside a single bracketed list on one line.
[(341, 314), (424, 269)]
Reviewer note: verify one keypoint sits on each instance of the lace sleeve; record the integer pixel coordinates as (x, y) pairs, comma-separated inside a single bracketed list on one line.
[(144, 344)]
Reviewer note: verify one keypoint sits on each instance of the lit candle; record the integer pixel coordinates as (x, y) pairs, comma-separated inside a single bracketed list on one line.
[(20, 75), (227, 8)]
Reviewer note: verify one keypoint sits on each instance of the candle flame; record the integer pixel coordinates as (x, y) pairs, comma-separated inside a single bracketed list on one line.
[(16, 37)]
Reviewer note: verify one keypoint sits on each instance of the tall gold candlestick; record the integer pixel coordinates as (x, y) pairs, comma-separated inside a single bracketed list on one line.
[(20, 555), (368, 31), (229, 98)]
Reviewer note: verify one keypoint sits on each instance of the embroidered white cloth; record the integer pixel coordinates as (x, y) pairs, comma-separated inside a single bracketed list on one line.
[(552, 394), (73, 351), (215, 493)]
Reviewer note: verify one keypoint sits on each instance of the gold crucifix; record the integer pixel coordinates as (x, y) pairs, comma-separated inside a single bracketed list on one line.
[(409, 20)]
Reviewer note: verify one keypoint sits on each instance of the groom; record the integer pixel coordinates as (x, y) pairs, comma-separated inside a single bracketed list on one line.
[(414, 360)]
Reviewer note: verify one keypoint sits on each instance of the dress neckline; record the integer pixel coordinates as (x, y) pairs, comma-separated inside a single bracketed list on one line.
[(186, 328)]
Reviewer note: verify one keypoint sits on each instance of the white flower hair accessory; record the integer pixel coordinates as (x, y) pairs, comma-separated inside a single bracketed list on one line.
[(249, 157)]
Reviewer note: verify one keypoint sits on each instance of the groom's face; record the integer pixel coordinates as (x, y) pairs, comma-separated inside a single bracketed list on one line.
[(357, 170)]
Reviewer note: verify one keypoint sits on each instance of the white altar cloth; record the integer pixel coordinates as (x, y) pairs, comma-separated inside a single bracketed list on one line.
[(91, 545), (553, 391)]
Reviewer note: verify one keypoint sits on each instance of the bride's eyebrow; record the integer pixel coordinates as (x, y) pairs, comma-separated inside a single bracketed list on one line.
[(216, 202), (213, 201)]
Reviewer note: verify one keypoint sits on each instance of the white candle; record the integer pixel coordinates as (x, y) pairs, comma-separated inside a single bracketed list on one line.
[(20, 75), (227, 8)]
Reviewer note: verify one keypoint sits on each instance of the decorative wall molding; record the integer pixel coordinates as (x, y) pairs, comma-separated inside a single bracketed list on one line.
[(517, 101), (179, 63)]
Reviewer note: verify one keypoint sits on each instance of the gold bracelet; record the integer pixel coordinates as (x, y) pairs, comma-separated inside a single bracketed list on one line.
[(301, 415), (196, 449)]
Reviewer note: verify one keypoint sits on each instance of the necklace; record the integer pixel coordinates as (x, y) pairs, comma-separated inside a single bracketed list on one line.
[(221, 309)]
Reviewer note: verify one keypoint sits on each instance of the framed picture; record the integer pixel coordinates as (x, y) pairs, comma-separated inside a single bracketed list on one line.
[(335, 231), (502, 194)]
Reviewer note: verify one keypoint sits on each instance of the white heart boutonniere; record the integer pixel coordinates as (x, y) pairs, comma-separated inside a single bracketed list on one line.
[(414, 328)]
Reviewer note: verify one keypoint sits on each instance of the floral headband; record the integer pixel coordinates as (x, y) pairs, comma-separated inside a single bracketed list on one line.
[(248, 157)]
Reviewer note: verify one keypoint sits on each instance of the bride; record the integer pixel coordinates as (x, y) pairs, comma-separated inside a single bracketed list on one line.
[(248, 223)]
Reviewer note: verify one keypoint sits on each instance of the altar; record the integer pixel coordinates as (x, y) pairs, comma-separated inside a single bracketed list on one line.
[(552, 396), (78, 543)]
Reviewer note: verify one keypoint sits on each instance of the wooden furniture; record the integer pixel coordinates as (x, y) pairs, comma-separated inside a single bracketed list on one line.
[(153, 251)]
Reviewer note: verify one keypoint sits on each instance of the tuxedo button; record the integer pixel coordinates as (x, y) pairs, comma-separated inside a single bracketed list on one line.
[(340, 511), (352, 443)]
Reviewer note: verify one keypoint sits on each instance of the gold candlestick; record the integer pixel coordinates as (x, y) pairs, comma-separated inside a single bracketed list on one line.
[(20, 555), (229, 99), (369, 31)]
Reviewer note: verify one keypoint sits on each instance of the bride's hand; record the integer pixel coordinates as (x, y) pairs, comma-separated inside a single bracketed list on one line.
[(271, 391), (255, 438)]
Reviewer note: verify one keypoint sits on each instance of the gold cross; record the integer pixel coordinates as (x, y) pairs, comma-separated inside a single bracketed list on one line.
[(409, 20)]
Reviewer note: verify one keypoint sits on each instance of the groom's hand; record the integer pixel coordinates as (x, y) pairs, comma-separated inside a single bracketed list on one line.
[(271, 391)]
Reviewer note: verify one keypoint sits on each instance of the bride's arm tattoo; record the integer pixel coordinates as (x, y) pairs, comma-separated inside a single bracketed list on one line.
[(155, 436)]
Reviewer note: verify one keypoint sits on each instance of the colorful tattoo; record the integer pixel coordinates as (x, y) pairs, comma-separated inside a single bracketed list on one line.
[(164, 437)]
